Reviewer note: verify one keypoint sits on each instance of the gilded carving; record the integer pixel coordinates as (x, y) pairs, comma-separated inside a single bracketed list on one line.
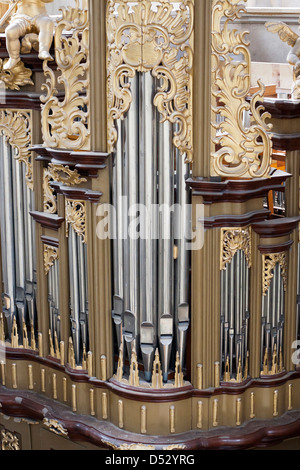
[(269, 263), (60, 174), (15, 77), (50, 256), (65, 122), (9, 441), (76, 217), (141, 38), (233, 240), (55, 427), (16, 127), (242, 150)]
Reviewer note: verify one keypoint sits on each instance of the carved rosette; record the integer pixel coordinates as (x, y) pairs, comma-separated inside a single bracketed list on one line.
[(243, 150), (76, 217), (233, 240), (60, 174), (269, 263), (16, 126), (141, 38), (51, 254), (65, 122)]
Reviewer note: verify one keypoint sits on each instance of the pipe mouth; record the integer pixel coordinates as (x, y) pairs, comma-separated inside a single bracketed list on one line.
[(165, 377), (148, 376)]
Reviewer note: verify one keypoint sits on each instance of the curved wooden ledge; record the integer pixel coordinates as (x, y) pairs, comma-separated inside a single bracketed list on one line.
[(215, 190), (83, 428), (87, 163)]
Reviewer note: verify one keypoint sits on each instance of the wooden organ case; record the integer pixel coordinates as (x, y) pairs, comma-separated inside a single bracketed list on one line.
[(184, 337)]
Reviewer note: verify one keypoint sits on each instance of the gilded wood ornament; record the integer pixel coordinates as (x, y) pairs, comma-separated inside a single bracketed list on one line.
[(60, 174), (9, 441), (65, 122), (145, 37), (54, 426), (16, 126), (269, 263), (233, 240), (50, 256), (76, 217), (242, 150), (15, 77)]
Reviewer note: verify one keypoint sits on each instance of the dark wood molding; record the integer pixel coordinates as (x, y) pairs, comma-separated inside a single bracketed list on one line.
[(87, 163), (50, 241), (282, 109), (51, 221), (254, 433), (274, 228), (288, 142), (216, 190), (271, 249), (236, 220), (77, 194)]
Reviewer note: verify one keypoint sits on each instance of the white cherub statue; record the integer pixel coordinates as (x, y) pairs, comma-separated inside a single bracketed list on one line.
[(287, 35), (30, 17)]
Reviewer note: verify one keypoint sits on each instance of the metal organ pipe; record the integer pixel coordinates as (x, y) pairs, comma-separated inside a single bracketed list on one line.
[(17, 239), (151, 288)]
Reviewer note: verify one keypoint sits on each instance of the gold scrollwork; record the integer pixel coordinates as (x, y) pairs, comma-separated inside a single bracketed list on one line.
[(50, 256), (60, 174), (9, 441), (269, 263), (233, 240), (65, 122), (242, 149), (141, 38), (55, 427), (16, 126), (76, 217)]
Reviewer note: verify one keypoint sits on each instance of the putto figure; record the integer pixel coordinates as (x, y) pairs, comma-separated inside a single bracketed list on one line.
[(286, 34), (30, 16)]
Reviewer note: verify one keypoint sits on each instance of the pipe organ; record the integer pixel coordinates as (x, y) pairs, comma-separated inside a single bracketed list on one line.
[(149, 240)]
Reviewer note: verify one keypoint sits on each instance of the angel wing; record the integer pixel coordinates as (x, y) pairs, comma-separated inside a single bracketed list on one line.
[(285, 33)]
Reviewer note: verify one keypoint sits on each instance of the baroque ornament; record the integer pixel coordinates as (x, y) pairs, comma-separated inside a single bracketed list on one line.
[(233, 240), (145, 37), (9, 441), (55, 427), (242, 150), (50, 256), (65, 122), (15, 77), (16, 126), (76, 217), (60, 174), (269, 263)]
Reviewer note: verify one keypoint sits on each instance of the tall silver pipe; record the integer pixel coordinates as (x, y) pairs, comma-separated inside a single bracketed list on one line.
[(182, 265), (118, 263), (231, 315), (19, 237), (7, 234), (74, 293), (82, 290), (148, 243), (131, 248), (166, 244)]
